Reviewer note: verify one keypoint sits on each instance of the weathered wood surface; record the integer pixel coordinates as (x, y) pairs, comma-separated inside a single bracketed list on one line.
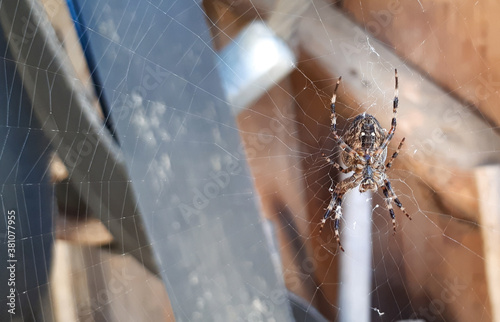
[(444, 138), (445, 141), (454, 42)]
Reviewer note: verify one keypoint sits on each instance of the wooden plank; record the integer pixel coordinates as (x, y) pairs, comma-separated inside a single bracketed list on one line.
[(443, 137), (440, 130), (90, 231), (445, 141), (63, 282), (91, 284), (455, 43), (93, 159)]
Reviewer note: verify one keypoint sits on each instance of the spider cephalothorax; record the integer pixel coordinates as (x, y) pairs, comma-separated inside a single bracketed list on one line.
[(364, 151)]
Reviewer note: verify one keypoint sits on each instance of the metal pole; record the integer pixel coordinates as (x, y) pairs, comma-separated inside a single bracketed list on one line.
[(356, 261)]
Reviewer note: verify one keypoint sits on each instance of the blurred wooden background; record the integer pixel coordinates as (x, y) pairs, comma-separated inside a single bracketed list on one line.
[(450, 130), (452, 44)]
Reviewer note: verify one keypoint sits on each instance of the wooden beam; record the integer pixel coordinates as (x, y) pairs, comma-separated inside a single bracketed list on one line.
[(89, 231), (454, 42), (443, 137)]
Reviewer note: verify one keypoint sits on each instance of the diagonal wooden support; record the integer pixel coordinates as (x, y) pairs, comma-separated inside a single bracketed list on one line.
[(94, 162)]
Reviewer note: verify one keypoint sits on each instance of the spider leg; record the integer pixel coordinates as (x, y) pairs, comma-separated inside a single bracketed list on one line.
[(335, 204), (395, 198), (394, 114), (336, 165), (336, 220), (328, 212), (388, 200), (390, 197), (333, 115), (395, 155), (336, 136)]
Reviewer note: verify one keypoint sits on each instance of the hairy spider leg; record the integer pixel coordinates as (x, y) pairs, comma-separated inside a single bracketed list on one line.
[(390, 196), (388, 202), (335, 205), (395, 198), (336, 165), (394, 115), (336, 220), (329, 209), (333, 117), (395, 154)]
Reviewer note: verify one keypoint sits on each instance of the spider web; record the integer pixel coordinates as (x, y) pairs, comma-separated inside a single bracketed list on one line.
[(433, 268)]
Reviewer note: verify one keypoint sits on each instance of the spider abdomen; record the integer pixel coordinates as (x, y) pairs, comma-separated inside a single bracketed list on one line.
[(364, 135)]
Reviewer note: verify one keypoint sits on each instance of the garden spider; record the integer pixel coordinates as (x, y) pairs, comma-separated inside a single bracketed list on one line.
[(364, 151)]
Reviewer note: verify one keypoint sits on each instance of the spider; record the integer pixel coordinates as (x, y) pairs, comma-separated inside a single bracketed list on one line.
[(364, 152)]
